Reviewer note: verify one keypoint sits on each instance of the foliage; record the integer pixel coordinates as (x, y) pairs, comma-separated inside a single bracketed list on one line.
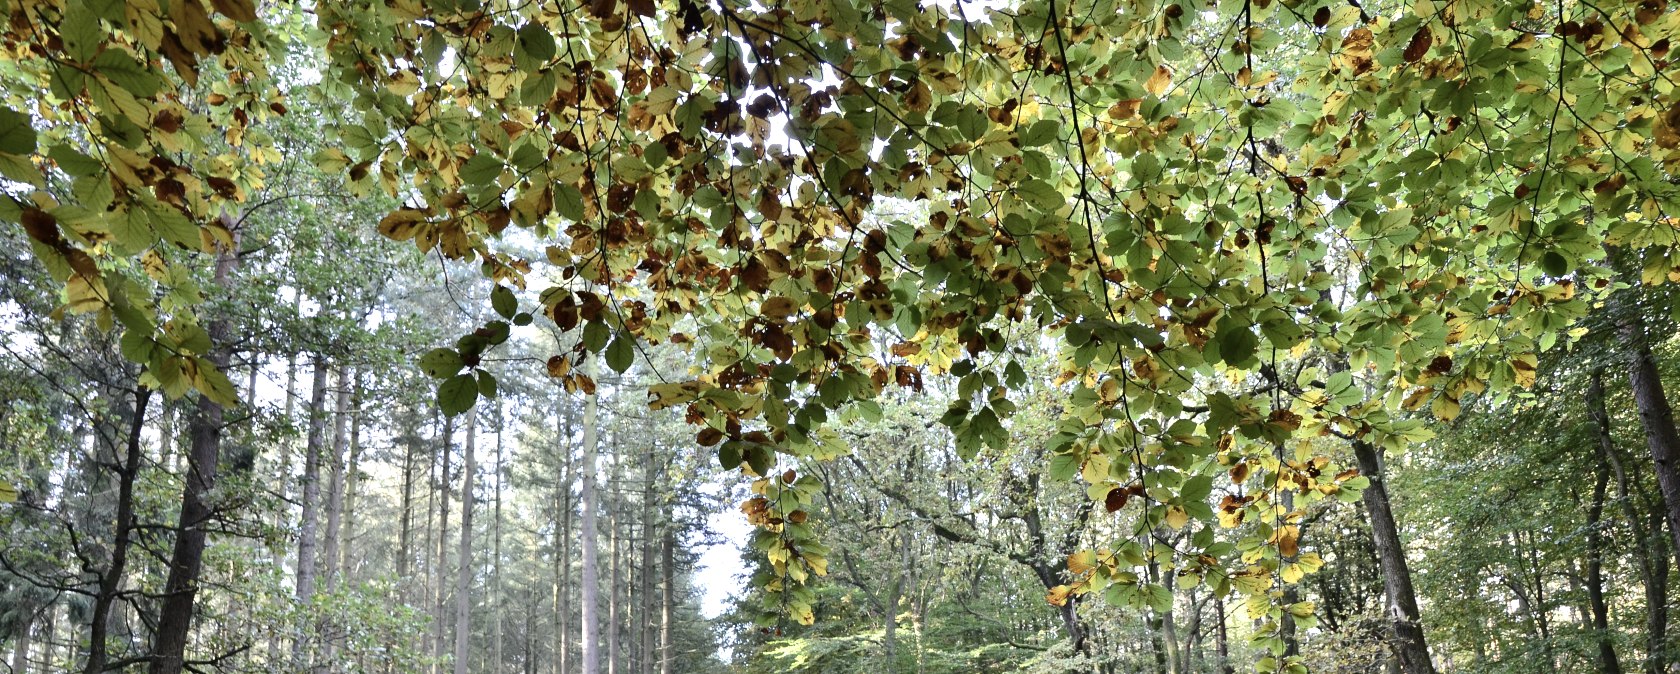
[(1243, 225)]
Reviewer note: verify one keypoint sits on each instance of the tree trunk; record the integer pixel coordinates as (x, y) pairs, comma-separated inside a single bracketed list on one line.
[(308, 529), (1656, 596), (169, 644), (496, 553), (463, 559), (1221, 647), (668, 598), (646, 565), (614, 503), (563, 545), (328, 562), (1600, 610), (1655, 415), (591, 582), (352, 480), (405, 535), (20, 646), (1407, 629), (440, 609), (110, 582), (889, 640)]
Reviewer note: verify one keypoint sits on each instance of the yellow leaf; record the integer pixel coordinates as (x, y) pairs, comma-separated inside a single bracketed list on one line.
[(1080, 562), (1523, 367), (1158, 83), (1058, 595), (1177, 517)]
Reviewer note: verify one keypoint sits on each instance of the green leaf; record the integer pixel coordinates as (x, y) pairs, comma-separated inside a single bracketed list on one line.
[(729, 455), (1041, 133), (127, 73), (1158, 597), (487, 385), (595, 335), (760, 458), (213, 384), (535, 45), (73, 162), (482, 170), (457, 394), (8, 493), (441, 362), (622, 353), (503, 301), (17, 136), (1236, 343), (1554, 264), (81, 33), (1196, 488)]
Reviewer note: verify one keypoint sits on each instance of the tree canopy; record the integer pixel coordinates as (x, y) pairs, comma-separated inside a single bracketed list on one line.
[(1241, 226)]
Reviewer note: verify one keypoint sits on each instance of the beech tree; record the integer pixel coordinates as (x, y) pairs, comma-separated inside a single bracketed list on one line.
[(1245, 227)]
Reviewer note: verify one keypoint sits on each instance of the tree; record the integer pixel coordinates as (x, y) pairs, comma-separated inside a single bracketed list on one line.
[(1199, 207)]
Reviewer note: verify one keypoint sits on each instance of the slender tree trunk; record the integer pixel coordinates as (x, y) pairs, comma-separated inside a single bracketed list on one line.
[(328, 563), (563, 541), (668, 598), (352, 480), (1221, 646), (615, 504), (1655, 415), (405, 536), (441, 611), (649, 601), (463, 559), (889, 638), (20, 646), (1405, 622), (591, 581), (496, 553), (1656, 596), (1600, 609), (110, 582), (427, 563), (308, 529), (169, 644)]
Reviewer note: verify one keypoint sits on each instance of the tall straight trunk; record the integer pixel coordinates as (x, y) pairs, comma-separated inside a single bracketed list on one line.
[(1655, 414), (169, 643), (1656, 595), (311, 496), (563, 540), (1599, 608), (428, 572), (1404, 622), (352, 479), (405, 535), (335, 481), (1221, 646), (615, 503), (110, 582), (20, 645), (649, 601), (496, 553), (463, 558), (895, 593), (668, 598), (591, 581), (441, 608)]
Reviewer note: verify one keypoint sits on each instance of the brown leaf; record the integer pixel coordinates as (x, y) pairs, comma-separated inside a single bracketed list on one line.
[(1116, 499), (1419, 46), (238, 10)]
